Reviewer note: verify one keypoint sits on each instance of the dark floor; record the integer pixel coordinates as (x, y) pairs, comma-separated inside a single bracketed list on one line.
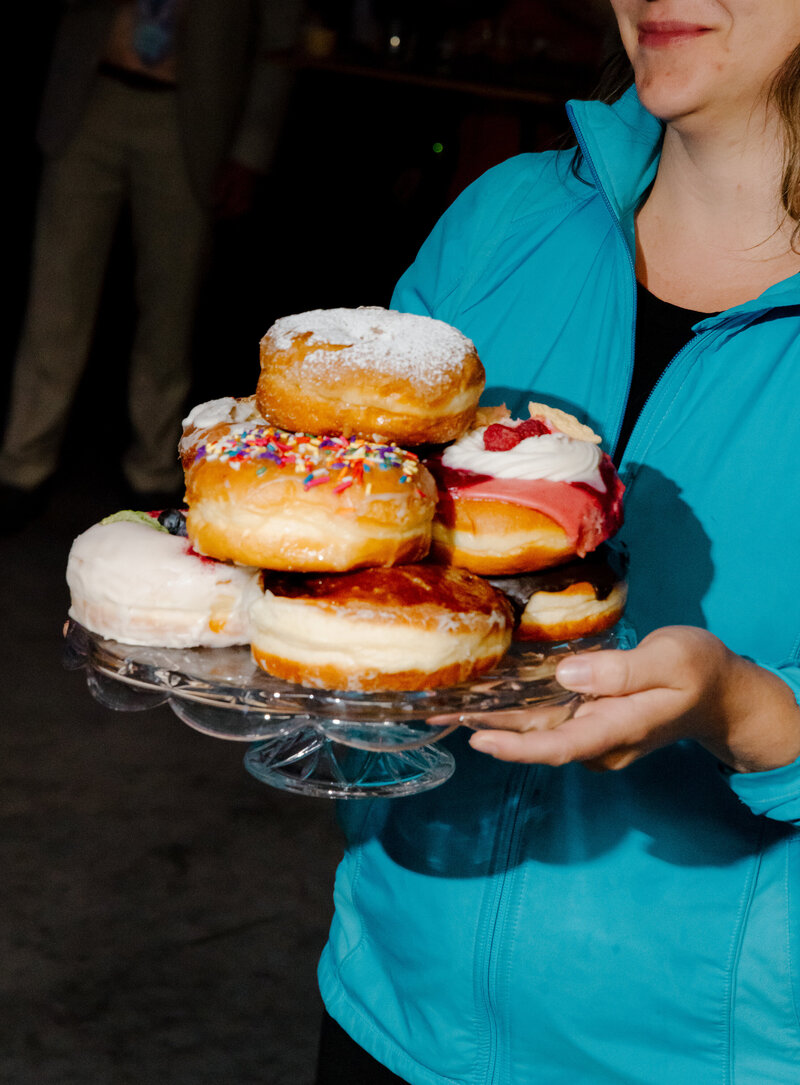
[(162, 911)]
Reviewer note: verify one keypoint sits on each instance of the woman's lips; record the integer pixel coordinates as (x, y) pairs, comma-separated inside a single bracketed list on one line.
[(655, 35)]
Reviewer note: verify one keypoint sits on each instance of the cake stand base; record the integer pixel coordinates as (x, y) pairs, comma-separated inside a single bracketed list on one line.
[(309, 763)]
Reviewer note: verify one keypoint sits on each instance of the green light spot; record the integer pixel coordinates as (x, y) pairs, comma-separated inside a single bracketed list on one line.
[(437, 148)]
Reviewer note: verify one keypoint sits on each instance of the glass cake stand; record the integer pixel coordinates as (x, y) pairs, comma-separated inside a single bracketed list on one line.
[(327, 743)]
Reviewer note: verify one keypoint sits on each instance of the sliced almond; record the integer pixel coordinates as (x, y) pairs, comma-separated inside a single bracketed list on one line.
[(565, 423), (485, 416)]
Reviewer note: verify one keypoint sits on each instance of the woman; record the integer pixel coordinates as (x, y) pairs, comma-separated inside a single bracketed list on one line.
[(532, 920)]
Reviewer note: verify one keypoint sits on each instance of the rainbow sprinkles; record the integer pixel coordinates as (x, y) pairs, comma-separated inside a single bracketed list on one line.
[(342, 461)]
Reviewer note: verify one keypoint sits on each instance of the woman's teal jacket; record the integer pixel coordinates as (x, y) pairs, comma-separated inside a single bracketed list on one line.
[(528, 924)]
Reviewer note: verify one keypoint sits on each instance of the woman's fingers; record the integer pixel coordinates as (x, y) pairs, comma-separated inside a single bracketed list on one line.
[(603, 673), (675, 657), (660, 660), (680, 682), (538, 717), (575, 740), (609, 732), (667, 688)]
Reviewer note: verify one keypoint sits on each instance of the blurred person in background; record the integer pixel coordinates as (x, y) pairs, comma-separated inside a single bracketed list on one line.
[(173, 108)]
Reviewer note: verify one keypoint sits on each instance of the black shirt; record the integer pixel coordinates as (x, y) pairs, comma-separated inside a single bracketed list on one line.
[(661, 330)]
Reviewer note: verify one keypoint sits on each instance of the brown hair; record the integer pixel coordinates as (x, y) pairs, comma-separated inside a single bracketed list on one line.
[(617, 76), (785, 93)]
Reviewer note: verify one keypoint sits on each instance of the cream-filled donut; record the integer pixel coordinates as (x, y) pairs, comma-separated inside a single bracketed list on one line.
[(517, 496), (371, 372), (132, 581), (410, 627), (259, 495), (579, 599), (214, 419)]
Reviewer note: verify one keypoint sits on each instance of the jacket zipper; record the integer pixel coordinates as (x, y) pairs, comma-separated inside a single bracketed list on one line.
[(503, 861)]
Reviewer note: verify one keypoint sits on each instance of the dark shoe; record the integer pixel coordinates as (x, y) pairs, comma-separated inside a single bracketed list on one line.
[(19, 507)]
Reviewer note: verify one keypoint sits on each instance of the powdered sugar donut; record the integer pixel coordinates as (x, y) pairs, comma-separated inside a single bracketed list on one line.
[(132, 581), (372, 372)]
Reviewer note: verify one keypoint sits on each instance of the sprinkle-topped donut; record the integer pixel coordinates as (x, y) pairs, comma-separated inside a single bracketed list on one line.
[(340, 461), (371, 372), (262, 495)]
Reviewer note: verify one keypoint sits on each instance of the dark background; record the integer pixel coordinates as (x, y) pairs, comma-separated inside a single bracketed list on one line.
[(376, 144), (162, 911)]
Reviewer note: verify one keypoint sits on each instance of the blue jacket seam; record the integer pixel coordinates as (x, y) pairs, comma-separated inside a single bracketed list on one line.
[(794, 966), (531, 774), (729, 1075), (650, 432), (354, 891), (482, 971)]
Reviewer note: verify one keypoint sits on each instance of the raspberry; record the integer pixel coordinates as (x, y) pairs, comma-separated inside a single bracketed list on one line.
[(532, 427), (499, 438)]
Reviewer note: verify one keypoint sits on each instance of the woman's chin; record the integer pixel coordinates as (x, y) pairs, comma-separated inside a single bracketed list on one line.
[(671, 97)]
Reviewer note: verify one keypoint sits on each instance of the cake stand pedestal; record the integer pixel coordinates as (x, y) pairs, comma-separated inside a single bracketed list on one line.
[(329, 743)]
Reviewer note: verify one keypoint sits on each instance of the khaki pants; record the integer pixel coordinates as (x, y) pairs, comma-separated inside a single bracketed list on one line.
[(127, 150)]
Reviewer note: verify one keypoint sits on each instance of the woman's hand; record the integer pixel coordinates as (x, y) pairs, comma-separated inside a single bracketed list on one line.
[(679, 683)]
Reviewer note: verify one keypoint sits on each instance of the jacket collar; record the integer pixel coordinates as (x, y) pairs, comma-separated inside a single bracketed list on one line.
[(621, 145)]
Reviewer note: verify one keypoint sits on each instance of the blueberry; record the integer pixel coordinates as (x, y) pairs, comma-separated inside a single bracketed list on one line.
[(174, 520)]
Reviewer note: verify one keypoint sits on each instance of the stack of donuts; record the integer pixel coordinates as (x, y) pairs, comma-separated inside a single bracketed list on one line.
[(342, 509)]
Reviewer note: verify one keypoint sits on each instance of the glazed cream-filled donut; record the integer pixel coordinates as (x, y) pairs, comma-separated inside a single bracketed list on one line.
[(133, 582), (411, 627), (579, 599), (517, 496), (263, 496), (372, 372)]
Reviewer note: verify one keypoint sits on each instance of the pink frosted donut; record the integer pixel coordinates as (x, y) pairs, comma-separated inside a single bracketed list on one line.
[(517, 496)]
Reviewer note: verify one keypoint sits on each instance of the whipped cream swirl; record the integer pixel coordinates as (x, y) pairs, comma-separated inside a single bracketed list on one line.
[(551, 456)]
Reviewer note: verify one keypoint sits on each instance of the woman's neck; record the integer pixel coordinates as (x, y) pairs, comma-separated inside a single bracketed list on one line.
[(712, 232)]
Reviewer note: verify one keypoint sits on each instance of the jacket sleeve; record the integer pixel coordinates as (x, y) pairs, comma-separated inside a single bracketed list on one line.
[(776, 793), (266, 100)]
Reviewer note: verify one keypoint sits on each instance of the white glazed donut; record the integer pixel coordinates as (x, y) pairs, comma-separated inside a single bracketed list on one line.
[(137, 584)]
